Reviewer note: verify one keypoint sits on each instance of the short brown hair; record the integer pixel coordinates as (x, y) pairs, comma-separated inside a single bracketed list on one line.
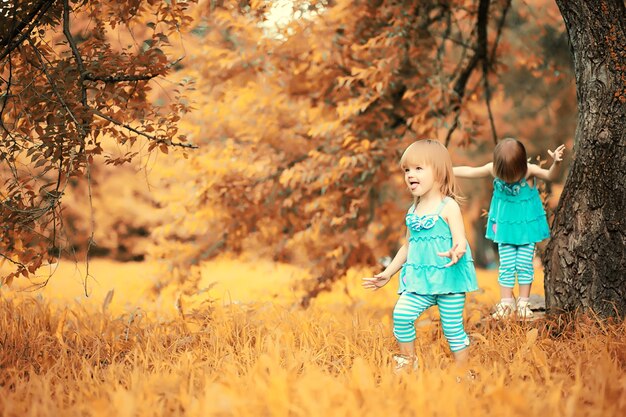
[(509, 160)]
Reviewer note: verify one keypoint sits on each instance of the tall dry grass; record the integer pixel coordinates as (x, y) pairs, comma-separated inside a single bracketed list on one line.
[(269, 359)]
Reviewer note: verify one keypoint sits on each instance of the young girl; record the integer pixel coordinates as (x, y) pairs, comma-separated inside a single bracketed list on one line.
[(517, 220), (435, 230)]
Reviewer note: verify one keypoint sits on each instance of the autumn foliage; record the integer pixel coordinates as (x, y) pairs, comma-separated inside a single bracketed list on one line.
[(299, 126), (76, 79), (300, 132)]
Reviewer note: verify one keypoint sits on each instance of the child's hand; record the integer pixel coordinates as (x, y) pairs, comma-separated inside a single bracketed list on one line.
[(454, 254), (379, 280), (557, 155)]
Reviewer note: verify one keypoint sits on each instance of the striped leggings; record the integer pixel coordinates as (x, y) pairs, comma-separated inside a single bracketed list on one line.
[(515, 260), (411, 305)]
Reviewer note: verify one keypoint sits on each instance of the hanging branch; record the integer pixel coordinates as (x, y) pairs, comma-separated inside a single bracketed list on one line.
[(55, 89), (72, 42), (487, 64), (145, 135), (483, 10), (18, 34), (480, 56)]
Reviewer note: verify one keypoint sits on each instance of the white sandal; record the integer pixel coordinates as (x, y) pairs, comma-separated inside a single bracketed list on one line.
[(523, 310), (503, 310), (404, 364)]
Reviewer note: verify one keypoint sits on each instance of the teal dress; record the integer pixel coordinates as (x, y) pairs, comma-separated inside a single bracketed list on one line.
[(516, 214), (424, 271)]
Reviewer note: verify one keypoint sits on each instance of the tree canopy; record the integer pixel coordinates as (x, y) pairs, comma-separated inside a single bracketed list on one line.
[(301, 130), (299, 126), (76, 75)]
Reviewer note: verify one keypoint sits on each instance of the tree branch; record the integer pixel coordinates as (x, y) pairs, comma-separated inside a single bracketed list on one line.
[(55, 90), (487, 64), (21, 265), (483, 12), (505, 11), (6, 95), (119, 78), (145, 135), (479, 55), (34, 17), (72, 42)]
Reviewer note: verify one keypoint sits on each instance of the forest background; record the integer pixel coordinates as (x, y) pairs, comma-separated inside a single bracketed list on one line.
[(174, 266), (299, 127)]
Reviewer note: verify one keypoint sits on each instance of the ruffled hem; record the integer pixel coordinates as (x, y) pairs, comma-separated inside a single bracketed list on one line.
[(517, 234), (433, 279), (417, 238), (425, 290), (517, 199), (538, 218), (503, 211)]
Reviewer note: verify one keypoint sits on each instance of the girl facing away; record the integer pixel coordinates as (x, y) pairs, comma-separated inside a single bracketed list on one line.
[(516, 220), (435, 231)]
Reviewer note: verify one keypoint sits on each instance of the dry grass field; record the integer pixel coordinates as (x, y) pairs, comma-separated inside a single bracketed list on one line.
[(240, 347)]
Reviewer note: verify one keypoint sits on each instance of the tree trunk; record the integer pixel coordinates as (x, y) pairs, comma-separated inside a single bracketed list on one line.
[(585, 261)]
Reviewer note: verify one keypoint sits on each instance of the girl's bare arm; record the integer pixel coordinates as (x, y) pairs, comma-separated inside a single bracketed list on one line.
[(549, 174), (452, 214), (474, 172)]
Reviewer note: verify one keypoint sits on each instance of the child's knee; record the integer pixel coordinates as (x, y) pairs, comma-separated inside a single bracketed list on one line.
[(525, 274), (525, 279), (507, 280), (402, 321), (404, 334), (506, 275), (457, 340), (403, 329)]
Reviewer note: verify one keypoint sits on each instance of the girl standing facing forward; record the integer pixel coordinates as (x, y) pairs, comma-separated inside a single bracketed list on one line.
[(516, 220), (435, 230)]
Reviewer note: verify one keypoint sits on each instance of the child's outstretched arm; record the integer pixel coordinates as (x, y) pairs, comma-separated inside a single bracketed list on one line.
[(474, 172), (452, 214), (552, 173), (379, 280)]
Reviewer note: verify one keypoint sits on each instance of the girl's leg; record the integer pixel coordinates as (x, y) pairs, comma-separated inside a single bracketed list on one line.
[(451, 313), (506, 271), (525, 275), (408, 308), (506, 279)]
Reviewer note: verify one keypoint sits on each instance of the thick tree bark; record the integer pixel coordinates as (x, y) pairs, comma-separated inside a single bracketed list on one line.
[(585, 261)]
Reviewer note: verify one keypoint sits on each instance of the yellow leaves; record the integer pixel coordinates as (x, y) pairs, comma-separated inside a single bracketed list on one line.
[(409, 94), (353, 107), (18, 245), (359, 159), (290, 177), (348, 162), (335, 253), (324, 128)]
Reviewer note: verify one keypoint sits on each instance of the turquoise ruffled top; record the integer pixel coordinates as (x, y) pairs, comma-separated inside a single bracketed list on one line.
[(424, 271), (516, 214)]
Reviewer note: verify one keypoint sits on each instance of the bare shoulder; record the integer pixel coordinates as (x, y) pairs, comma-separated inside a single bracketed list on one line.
[(452, 208)]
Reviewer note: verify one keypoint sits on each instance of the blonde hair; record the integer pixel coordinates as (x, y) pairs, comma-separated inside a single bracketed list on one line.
[(510, 160), (435, 155)]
